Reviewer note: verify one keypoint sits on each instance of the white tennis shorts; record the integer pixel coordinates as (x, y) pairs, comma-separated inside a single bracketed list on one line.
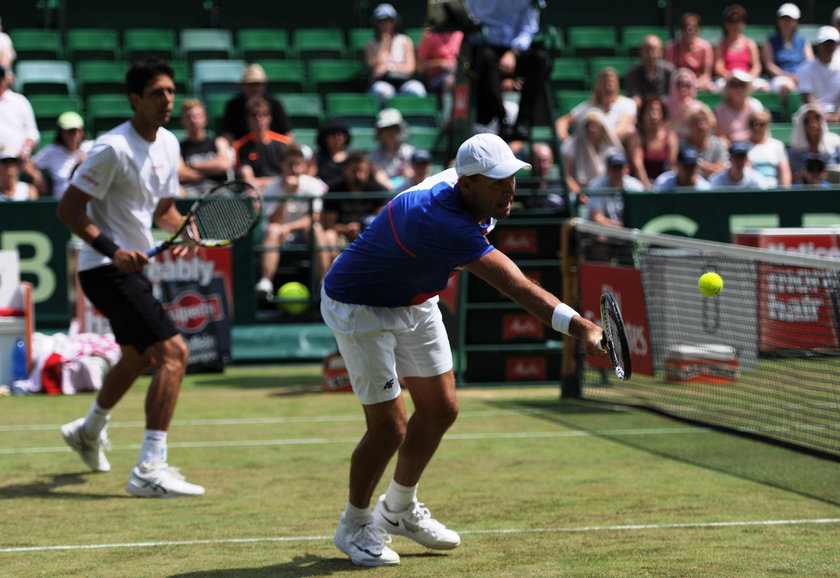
[(379, 344)]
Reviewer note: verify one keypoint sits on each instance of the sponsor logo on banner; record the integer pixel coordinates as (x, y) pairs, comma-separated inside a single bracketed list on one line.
[(517, 241), (526, 369), (521, 326), (191, 311), (626, 284)]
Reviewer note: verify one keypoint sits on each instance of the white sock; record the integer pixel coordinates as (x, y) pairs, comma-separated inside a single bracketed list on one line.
[(358, 516), (399, 497), (95, 420), (154, 447)]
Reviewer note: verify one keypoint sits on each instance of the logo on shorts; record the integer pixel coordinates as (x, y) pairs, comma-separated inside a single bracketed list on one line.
[(389, 384)]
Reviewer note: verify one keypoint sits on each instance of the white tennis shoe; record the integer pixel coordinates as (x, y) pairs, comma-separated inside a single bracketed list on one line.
[(367, 545), (160, 480), (415, 522), (91, 450)]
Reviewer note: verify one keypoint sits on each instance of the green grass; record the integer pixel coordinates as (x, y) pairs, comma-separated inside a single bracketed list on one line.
[(537, 487)]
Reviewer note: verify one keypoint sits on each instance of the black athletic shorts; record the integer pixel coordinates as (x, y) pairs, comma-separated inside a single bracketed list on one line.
[(137, 318)]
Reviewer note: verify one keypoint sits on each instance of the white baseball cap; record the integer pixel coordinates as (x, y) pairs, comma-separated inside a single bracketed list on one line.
[(487, 154), (789, 9), (827, 34)]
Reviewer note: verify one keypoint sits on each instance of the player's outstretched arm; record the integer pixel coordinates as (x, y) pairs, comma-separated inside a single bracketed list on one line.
[(497, 269)]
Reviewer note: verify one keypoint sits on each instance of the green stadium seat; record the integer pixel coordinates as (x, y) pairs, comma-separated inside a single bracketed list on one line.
[(100, 77), (711, 99), (215, 106), (794, 101), (772, 102), (145, 42), (621, 63), (37, 44), (183, 77), (569, 73), (217, 77), (336, 76), (47, 107), (566, 100), (206, 44), (44, 77), (415, 34), (417, 111), (551, 37), (319, 43), (304, 109), (711, 34), (256, 44), (363, 138), (307, 136), (631, 37), (592, 40), (47, 138), (285, 75), (357, 109), (105, 111), (92, 44), (357, 38), (425, 138), (759, 32), (809, 32), (781, 131)]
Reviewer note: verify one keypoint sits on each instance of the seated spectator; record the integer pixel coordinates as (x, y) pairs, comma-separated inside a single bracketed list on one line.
[(392, 158), (619, 111), (681, 95), (697, 132), (258, 153), (546, 190), (685, 176), (505, 51), (7, 51), (333, 144), (814, 175), (291, 221), (692, 52), (736, 51), (57, 161), (421, 166), (18, 128), (345, 219), (812, 138), (11, 187), (768, 155), (390, 58), (819, 79), (208, 161), (437, 59), (785, 51), (738, 174), (732, 113), (652, 75), (608, 209), (585, 153), (653, 149), (234, 122)]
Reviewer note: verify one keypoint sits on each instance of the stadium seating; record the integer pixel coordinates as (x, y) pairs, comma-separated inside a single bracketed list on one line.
[(417, 111), (357, 38), (592, 41), (100, 77), (216, 77), (284, 75), (304, 109), (37, 44), (569, 73), (319, 43), (206, 44), (105, 111), (336, 76), (92, 44), (621, 63), (255, 44), (307, 137), (631, 37), (145, 42), (356, 109), (566, 100), (47, 107), (44, 77)]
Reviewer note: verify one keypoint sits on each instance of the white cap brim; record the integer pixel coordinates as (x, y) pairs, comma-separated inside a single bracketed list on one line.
[(506, 169)]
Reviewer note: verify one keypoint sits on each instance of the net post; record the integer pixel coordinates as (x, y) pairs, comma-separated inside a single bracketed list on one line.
[(570, 386)]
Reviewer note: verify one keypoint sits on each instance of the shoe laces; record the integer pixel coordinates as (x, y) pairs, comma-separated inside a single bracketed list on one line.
[(166, 470), (419, 512), (370, 537)]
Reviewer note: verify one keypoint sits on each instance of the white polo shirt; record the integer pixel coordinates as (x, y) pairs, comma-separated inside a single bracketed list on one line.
[(17, 121), (822, 81), (127, 176)]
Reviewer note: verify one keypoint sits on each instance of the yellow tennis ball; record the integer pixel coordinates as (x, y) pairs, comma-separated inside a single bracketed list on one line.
[(293, 297), (710, 284)]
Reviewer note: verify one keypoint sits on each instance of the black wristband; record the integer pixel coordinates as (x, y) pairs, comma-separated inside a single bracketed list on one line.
[(105, 245)]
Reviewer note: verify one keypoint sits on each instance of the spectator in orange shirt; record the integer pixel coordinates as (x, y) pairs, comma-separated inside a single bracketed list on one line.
[(258, 153)]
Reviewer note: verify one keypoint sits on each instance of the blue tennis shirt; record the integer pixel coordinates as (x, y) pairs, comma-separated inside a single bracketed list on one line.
[(406, 255)]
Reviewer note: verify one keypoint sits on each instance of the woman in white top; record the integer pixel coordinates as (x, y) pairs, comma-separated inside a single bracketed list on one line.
[(586, 152), (768, 155), (59, 159), (811, 138), (619, 111), (11, 187), (390, 58)]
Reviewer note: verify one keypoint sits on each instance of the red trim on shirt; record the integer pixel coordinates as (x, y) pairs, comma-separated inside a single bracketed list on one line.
[(394, 229)]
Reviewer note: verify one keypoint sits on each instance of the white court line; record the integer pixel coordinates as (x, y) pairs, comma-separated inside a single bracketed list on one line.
[(619, 528), (355, 439)]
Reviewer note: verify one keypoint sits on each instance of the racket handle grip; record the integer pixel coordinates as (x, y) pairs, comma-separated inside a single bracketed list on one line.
[(154, 251)]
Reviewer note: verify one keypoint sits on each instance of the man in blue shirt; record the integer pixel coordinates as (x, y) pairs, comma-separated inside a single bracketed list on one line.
[(685, 176), (738, 174), (380, 299), (505, 50)]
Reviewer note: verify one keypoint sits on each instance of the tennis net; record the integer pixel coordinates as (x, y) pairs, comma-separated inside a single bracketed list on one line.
[(762, 358)]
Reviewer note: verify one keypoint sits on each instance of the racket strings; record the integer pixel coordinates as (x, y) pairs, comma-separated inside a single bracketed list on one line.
[(224, 217)]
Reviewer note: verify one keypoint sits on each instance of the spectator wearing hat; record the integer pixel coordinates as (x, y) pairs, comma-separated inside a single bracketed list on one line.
[(207, 160), (392, 158), (234, 122), (11, 187), (258, 153), (738, 174), (608, 208), (333, 144), (57, 161), (819, 79), (390, 58), (732, 113), (736, 51), (785, 51), (686, 175), (421, 166)]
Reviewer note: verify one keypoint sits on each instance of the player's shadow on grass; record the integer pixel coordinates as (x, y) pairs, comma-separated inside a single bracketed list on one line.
[(52, 487), (287, 385), (299, 567), (732, 454)]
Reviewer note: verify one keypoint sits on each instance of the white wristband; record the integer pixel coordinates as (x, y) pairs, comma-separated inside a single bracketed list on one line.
[(562, 317)]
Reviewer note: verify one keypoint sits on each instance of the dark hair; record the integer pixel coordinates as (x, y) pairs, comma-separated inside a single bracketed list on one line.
[(143, 71), (292, 150), (684, 19), (257, 102), (815, 165), (355, 157), (332, 126)]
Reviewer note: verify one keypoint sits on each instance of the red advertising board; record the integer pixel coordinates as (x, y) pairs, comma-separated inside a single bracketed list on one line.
[(794, 303), (626, 284)]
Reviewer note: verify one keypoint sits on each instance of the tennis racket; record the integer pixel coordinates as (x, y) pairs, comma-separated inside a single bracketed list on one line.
[(222, 215), (614, 340)]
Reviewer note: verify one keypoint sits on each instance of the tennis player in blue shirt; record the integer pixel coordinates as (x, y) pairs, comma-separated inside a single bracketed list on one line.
[(380, 298)]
